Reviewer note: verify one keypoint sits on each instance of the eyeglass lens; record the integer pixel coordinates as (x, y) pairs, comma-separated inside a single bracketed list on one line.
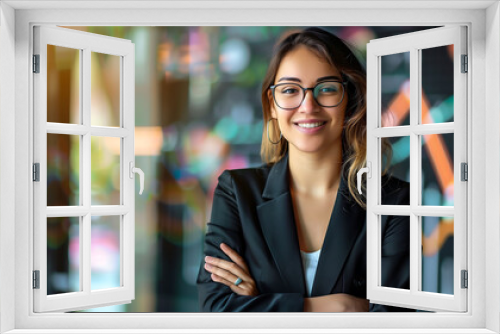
[(326, 94)]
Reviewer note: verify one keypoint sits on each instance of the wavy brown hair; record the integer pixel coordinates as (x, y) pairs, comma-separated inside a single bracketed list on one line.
[(335, 51)]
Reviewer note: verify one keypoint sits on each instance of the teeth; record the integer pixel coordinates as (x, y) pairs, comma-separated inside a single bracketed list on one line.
[(310, 125)]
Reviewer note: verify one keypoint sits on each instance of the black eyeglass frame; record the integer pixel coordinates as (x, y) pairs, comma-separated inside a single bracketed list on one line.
[(343, 83)]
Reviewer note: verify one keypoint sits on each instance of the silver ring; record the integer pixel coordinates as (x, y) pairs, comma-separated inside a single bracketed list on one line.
[(238, 281)]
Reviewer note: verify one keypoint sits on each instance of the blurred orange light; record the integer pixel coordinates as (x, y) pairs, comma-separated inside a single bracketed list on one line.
[(432, 244), (148, 140)]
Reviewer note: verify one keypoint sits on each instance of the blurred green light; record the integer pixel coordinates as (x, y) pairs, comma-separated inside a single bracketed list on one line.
[(226, 129)]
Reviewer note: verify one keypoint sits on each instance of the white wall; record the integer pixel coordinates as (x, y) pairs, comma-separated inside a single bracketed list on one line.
[(492, 172), (7, 160)]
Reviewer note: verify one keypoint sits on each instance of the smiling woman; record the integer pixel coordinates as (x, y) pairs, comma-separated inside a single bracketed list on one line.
[(290, 236)]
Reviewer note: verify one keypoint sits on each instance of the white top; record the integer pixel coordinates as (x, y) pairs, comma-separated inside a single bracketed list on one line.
[(310, 263)]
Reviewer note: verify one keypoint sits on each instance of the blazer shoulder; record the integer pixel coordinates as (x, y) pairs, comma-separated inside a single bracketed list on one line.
[(244, 177)]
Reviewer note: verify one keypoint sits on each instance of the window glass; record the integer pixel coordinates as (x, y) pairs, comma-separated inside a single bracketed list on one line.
[(105, 252), (437, 254), (106, 169), (396, 164), (395, 256), (105, 101), (395, 84), (437, 85), (63, 85), (63, 255), (63, 170), (437, 169)]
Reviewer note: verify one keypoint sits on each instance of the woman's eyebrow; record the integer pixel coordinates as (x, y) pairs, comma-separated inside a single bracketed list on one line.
[(289, 79), (330, 77)]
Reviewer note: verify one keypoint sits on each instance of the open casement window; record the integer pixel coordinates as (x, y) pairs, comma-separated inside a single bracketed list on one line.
[(83, 165), (434, 145)]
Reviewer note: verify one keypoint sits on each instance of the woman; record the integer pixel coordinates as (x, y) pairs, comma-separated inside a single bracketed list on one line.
[(291, 236)]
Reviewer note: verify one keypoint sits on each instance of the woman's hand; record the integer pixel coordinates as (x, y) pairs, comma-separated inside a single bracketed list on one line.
[(339, 302), (227, 272)]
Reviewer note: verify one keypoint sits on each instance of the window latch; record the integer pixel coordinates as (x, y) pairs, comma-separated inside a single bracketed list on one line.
[(134, 170), (368, 171)]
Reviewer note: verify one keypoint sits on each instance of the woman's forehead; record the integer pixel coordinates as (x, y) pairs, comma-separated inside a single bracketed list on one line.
[(305, 64)]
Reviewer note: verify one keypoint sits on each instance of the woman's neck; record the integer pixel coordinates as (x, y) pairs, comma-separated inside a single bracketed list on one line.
[(315, 174)]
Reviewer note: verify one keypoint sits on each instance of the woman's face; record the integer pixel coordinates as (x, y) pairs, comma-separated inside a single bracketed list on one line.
[(309, 127)]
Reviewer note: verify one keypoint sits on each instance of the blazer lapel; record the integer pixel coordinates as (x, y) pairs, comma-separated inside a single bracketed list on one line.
[(345, 224), (278, 226)]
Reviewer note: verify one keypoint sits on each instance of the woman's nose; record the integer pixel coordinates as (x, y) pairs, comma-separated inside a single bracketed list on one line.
[(309, 104)]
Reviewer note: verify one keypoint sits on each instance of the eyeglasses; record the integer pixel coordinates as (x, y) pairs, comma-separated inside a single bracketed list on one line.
[(291, 95)]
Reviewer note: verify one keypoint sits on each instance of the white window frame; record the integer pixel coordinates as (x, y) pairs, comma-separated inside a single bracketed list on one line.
[(85, 43), (16, 214), (414, 43)]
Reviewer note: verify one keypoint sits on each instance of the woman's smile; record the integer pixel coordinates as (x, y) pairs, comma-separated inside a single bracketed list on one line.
[(310, 126)]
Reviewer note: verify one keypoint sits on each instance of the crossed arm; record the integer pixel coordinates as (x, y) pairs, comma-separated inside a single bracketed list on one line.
[(227, 272)]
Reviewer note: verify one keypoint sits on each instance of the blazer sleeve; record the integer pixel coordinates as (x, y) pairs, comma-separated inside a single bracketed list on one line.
[(225, 226), (396, 249)]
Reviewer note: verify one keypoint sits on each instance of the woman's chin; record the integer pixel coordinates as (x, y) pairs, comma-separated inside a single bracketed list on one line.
[(308, 148)]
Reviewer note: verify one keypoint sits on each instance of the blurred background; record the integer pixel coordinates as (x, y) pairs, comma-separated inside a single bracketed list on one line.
[(198, 112)]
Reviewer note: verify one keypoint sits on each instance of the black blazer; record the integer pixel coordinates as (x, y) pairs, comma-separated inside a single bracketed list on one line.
[(252, 213)]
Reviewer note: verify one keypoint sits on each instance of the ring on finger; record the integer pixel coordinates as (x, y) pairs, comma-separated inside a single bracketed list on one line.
[(238, 281)]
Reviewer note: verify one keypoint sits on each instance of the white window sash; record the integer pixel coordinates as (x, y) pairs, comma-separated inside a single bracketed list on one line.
[(414, 297), (86, 297)]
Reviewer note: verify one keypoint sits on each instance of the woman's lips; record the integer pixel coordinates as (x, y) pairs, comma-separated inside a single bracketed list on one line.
[(310, 126)]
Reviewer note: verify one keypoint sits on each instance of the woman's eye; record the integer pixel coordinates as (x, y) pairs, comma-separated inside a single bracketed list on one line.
[(289, 90), (328, 89)]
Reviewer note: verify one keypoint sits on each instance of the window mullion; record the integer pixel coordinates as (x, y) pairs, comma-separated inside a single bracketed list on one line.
[(415, 80), (85, 269)]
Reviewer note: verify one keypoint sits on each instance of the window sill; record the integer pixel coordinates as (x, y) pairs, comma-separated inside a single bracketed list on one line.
[(264, 331)]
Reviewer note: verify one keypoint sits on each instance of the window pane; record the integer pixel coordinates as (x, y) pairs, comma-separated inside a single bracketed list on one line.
[(105, 252), (395, 83), (63, 255), (395, 252), (437, 254), (105, 170), (63, 84), (105, 91), (437, 169), (437, 85), (63, 170), (398, 166)]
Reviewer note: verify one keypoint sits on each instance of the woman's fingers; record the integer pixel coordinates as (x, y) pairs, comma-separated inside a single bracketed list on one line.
[(226, 269), (239, 289), (233, 255), (227, 272)]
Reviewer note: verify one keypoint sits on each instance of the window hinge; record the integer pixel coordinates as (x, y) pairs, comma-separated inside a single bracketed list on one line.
[(465, 64), (465, 279), (465, 171), (36, 172), (36, 279), (36, 63)]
